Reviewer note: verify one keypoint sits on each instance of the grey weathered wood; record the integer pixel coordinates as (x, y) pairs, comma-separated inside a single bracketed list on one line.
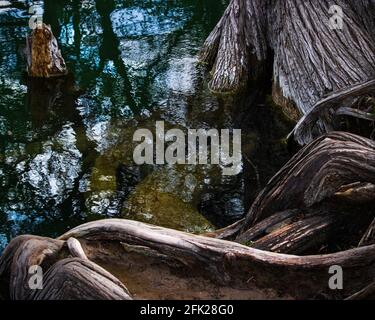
[(227, 233), (323, 112), (355, 113), (336, 166), (231, 263), (316, 174), (266, 226), (77, 279), (63, 277), (310, 59), (75, 249), (236, 44), (299, 236)]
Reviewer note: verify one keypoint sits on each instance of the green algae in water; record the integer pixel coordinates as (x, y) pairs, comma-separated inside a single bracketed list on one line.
[(165, 209), (169, 198)]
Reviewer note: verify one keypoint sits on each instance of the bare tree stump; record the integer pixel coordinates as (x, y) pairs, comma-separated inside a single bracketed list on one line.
[(44, 59)]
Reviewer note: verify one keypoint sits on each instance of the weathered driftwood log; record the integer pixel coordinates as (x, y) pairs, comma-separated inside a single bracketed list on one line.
[(311, 57), (44, 59)]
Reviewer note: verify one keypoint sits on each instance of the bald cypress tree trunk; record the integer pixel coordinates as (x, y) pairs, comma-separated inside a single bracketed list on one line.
[(313, 55), (237, 47)]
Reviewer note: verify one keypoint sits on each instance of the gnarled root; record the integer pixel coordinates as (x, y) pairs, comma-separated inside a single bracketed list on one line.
[(62, 276), (312, 202), (322, 197)]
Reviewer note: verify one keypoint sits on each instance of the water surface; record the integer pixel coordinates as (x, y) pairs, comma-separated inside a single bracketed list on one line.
[(66, 144)]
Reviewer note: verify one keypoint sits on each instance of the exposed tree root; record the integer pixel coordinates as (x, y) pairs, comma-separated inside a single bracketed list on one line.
[(316, 174), (64, 277), (225, 263), (297, 213), (325, 110)]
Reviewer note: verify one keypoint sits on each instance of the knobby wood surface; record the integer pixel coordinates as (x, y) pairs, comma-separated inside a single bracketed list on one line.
[(316, 174)]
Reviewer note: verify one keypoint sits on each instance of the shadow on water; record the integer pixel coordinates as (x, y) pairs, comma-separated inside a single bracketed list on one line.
[(66, 151)]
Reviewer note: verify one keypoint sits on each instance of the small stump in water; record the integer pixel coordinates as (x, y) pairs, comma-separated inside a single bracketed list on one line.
[(44, 59)]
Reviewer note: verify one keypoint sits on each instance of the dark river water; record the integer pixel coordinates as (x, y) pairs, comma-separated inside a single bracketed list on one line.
[(66, 150)]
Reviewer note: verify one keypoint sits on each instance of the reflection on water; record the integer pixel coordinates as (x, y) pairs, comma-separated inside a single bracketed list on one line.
[(66, 144)]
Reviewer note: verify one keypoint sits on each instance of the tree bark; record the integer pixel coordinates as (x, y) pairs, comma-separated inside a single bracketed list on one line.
[(224, 263), (237, 47), (315, 175), (310, 59), (64, 276)]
